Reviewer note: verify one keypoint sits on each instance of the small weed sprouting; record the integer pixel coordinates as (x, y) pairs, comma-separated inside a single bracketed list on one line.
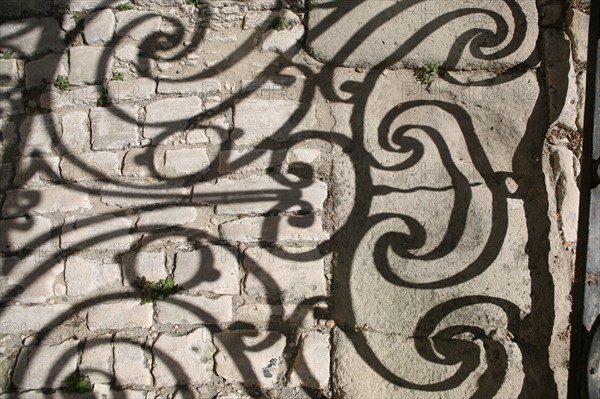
[(118, 76), (5, 55), (78, 383), (62, 82), (152, 291), (280, 23), (192, 2), (125, 7), (23, 253), (79, 17), (103, 99), (428, 73)]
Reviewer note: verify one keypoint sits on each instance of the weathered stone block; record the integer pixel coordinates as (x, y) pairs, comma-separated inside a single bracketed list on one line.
[(170, 115), (265, 364), (45, 366), (90, 65), (183, 309), (311, 365), (99, 27), (150, 265), (44, 71), (138, 89), (45, 200), (32, 36), (75, 132), (274, 228), (289, 279), (85, 276), (160, 218), (212, 268), (127, 313), (37, 132), (192, 352), (114, 127)]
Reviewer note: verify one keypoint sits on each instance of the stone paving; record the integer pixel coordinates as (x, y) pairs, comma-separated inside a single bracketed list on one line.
[(337, 222)]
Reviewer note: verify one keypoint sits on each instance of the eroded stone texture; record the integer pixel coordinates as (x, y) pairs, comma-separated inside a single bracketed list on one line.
[(311, 366), (265, 364), (90, 65), (274, 228), (212, 268), (45, 200), (289, 278), (85, 276), (38, 367), (119, 315), (388, 25), (32, 36), (185, 309), (36, 284), (114, 127), (193, 354), (99, 27), (170, 115), (259, 195)]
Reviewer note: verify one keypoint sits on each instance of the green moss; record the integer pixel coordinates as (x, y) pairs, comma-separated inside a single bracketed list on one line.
[(78, 383), (152, 291), (280, 23), (62, 82), (125, 7)]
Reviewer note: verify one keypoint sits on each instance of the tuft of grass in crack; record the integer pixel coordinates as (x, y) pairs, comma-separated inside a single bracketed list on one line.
[(79, 17), (118, 76), (280, 23), (5, 55), (62, 82), (78, 383), (125, 7), (152, 291), (23, 253), (192, 2), (428, 73)]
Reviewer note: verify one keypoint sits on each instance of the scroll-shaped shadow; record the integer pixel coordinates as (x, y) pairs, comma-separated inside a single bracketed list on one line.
[(445, 347)]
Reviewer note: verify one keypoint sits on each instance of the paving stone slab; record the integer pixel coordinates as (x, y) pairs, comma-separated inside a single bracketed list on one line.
[(17, 320), (193, 354), (38, 367), (123, 314), (32, 36), (185, 309), (45, 200), (411, 34), (90, 65), (44, 71), (35, 172), (35, 285), (86, 276), (37, 132), (311, 365), (274, 228), (264, 364), (114, 127), (102, 236), (132, 364), (417, 377), (99, 27), (289, 278), (160, 218), (150, 265), (261, 194), (211, 268)]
